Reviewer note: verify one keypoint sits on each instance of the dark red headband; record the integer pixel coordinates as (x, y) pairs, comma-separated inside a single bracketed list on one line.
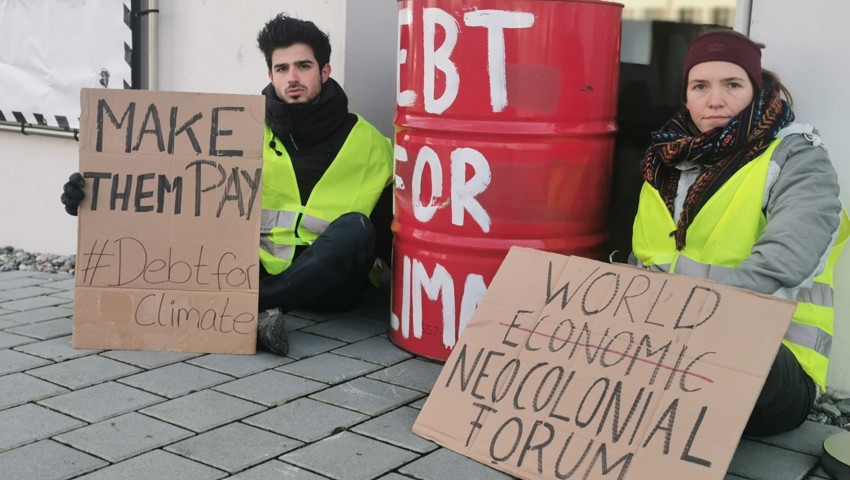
[(725, 46)]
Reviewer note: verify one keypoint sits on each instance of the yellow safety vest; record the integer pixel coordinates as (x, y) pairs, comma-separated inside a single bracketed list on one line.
[(353, 183), (722, 236)]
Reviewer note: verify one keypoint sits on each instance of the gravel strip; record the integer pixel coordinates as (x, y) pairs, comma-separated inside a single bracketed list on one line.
[(12, 258)]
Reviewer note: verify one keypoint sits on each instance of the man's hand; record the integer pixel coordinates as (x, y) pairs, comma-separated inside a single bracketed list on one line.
[(73, 193)]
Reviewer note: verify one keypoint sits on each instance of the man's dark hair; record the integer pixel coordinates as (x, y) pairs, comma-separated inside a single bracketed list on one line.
[(283, 31)]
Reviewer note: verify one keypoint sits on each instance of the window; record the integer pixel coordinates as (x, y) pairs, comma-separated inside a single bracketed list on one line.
[(688, 15), (722, 16), (655, 14)]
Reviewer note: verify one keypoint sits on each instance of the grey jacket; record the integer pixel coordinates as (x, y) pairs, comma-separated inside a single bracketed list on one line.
[(803, 214)]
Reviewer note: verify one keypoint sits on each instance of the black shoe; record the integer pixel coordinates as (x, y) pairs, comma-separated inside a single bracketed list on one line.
[(271, 332)]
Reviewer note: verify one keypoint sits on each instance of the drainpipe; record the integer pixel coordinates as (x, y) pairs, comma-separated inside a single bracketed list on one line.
[(151, 15)]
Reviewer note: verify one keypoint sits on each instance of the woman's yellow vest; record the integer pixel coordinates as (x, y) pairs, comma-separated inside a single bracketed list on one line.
[(353, 182), (722, 236)]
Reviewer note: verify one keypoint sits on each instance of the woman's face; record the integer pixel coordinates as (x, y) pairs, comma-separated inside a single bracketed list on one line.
[(716, 92)]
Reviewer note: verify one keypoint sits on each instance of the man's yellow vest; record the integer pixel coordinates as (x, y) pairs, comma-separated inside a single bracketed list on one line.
[(353, 183), (722, 236)]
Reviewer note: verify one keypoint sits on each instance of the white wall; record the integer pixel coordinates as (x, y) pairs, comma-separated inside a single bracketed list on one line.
[(371, 34), (211, 45), (31, 216), (204, 46), (806, 45)]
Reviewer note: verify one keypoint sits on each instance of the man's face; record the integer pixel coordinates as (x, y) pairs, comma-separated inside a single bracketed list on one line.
[(296, 75)]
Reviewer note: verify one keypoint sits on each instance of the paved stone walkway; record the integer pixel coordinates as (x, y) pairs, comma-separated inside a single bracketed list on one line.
[(340, 406)]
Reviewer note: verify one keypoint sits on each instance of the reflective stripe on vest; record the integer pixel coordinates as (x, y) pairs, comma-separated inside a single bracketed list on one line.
[(286, 219), (811, 336), (314, 224), (363, 167), (277, 218), (721, 237)]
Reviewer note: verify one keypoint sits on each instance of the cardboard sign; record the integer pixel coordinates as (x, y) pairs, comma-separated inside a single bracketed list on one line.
[(169, 227), (572, 368)]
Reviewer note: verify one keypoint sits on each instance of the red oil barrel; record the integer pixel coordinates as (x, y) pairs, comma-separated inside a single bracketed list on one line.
[(505, 128)]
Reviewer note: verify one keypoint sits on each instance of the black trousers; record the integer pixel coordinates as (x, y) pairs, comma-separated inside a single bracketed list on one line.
[(785, 400), (329, 275)]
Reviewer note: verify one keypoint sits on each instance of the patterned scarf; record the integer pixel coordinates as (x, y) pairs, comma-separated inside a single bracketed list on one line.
[(721, 152)]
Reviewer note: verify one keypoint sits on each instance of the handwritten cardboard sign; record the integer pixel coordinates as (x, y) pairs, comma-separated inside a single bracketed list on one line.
[(169, 227), (572, 368)]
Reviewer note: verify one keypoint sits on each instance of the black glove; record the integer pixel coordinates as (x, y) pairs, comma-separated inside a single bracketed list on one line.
[(73, 193)]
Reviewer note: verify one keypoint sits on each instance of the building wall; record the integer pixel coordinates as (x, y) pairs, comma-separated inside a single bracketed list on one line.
[(204, 46), (804, 46), (371, 33), (34, 169)]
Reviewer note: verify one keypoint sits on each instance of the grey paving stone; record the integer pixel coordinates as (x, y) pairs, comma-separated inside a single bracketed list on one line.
[(316, 316), (67, 295), (156, 464), (415, 373), (82, 372), (376, 350), (234, 447), (37, 315), (175, 380), (270, 388), (4, 324), (349, 456), (419, 403), (202, 411), (51, 277), (66, 283), (26, 292), (759, 461), (367, 396), (8, 340), (347, 329), (302, 345), (297, 323), (329, 368), (149, 360), (10, 283), (29, 423), (97, 403), (820, 473), (56, 349), (19, 274), (12, 361), (33, 303), (123, 437), (54, 462), (443, 464), (45, 330), (377, 312), (240, 365), (19, 388), (276, 470), (395, 428), (807, 438), (306, 419), (395, 476)]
